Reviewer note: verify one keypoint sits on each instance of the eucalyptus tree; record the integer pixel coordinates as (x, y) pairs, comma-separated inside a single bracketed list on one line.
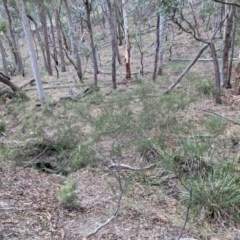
[(181, 12), (43, 18), (88, 4), (57, 9), (111, 14), (127, 41), (3, 31), (160, 33), (74, 46), (9, 9), (32, 53), (231, 14)]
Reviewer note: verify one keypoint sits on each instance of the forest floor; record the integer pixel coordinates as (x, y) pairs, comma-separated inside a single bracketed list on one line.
[(151, 206)]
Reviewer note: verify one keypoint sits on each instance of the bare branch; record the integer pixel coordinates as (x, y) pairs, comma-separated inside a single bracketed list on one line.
[(171, 87), (187, 214), (227, 3), (220, 115), (118, 178)]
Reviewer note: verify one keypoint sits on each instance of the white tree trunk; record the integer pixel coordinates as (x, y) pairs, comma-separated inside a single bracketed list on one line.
[(31, 51), (127, 41)]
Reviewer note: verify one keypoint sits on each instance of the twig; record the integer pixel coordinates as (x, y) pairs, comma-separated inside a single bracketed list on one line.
[(126, 167), (218, 114), (187, 214), (117, 207)]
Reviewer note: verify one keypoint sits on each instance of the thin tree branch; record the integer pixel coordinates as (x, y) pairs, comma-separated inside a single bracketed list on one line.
[(118, 178), (227, 3), (187, 214)]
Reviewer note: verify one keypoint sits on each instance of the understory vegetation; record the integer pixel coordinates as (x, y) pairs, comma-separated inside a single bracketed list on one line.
[(142, 126)]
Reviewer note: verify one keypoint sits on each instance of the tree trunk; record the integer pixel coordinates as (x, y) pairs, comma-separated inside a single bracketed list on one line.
[(127, 41), (234, 28), (161, 27), (157, 49), (39, 39), (53, 41), (111, 19), (43, 16), (73, 41), (59, 36), (4, 61), (88, 8), (237, 77), (31, 51), (217, 72), (13, 42), (227, 39)]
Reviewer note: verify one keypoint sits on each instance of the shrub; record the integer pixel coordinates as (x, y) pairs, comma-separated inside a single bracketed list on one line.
[(67, 195), (83, 156), (217, 193), (205, 88)]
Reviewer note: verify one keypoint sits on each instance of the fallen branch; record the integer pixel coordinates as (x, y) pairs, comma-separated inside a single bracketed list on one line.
[(6, 80), (126, 167), (172, 86), (117, 175), (28, 83), (220, 115)]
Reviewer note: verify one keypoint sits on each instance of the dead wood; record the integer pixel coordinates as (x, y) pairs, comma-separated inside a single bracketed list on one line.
[(126, 167), (220, 115), (118, 205), (30, 82), (171, 87), (6, 80)]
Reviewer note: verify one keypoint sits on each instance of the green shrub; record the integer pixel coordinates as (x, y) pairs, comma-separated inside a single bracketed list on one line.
[(67, 195), (205, 88), (83, 156)]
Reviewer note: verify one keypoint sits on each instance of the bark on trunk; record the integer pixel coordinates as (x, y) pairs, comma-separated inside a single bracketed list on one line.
[(111, 19), (46, 41), (59, 36), (157, 49), (88, 8), (127, 42), (217, 73), (73, 41), (227, 46), (13, 42), (234, 28), (40, 41), (237, 77), (31, 51), (4, 61)]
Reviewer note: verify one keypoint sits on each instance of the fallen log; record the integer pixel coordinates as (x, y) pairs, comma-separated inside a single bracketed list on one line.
[(6, 80)]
